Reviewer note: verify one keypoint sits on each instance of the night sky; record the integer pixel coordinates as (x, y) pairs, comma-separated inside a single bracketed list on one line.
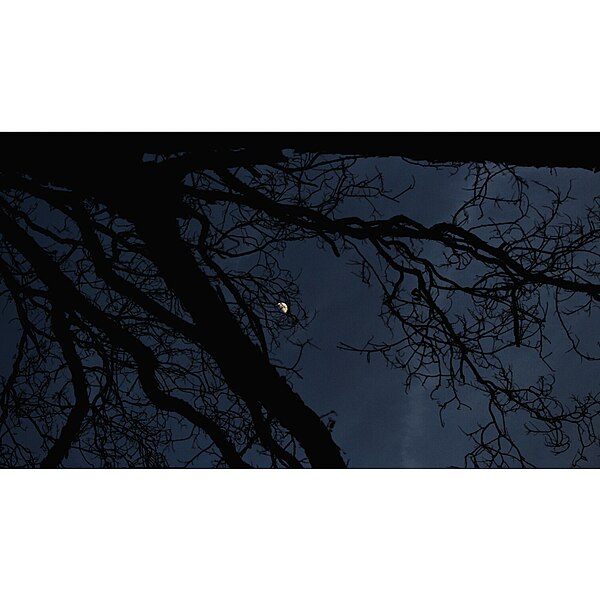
[(379, 422)]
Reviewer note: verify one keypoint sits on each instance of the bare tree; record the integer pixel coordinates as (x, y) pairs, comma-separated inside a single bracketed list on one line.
[(142, 342)]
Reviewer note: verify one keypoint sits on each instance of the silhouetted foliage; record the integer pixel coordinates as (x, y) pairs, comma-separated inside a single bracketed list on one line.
[(142, 341)]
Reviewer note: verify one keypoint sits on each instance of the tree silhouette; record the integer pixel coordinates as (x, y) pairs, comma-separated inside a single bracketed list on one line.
[(140, 339)]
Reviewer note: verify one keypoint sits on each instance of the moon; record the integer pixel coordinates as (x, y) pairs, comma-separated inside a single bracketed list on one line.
[(283, 307)]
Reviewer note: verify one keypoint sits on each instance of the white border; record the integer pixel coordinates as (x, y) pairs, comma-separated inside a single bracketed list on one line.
[(323, 534), (302, 66)]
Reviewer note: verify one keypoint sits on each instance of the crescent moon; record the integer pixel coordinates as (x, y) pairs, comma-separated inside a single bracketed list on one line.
[(283, 306)]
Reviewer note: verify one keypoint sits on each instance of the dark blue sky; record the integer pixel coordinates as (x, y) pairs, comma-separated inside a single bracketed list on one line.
[(379, 423)]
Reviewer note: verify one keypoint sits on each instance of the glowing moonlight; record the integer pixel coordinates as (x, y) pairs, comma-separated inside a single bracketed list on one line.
[(283, 307)]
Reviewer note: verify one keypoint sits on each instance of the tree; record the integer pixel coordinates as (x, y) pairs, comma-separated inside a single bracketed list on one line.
[(139, 338)]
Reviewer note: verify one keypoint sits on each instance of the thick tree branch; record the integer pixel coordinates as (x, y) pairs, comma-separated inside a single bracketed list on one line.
[(69, 298), (71, 429)]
